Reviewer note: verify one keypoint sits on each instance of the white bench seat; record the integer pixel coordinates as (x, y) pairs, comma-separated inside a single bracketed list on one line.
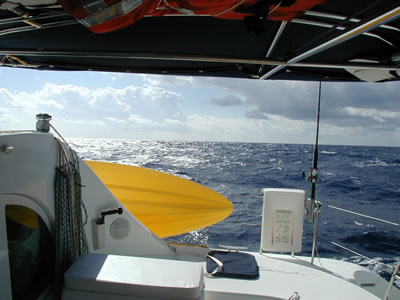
[(100, 276)]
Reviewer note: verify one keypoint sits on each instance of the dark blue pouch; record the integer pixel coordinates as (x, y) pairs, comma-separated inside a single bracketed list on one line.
[(232, 264)]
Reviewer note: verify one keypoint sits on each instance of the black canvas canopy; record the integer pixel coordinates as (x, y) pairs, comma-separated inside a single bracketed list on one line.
[(339, 40)]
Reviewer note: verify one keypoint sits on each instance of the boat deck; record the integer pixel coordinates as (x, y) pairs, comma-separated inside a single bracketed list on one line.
[(283, 276)]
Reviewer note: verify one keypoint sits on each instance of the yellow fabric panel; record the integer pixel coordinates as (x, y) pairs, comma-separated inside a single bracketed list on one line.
[(22, 215), (168, 205)]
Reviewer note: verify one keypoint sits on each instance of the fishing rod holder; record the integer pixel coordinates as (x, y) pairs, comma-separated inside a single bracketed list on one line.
[(317, 208), (313, 175), (313, 178), (316, 212)]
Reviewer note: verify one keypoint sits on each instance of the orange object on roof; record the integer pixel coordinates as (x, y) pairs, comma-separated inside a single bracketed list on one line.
[(109, 15)]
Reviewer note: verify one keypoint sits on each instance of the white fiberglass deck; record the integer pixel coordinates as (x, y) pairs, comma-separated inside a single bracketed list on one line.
[(282, 276)]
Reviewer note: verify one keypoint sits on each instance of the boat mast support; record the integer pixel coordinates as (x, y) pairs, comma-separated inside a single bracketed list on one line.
[(274, 42), (341, 18), (330, 25), (345, 36), (9, 53)]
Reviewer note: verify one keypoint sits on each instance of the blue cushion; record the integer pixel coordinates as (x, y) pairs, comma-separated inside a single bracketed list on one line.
[(232, 264)]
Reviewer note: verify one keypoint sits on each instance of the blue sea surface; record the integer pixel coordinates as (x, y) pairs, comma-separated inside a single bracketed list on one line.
[(357, 178)]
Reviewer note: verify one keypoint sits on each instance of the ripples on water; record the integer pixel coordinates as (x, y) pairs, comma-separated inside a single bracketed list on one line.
[(362, 179)]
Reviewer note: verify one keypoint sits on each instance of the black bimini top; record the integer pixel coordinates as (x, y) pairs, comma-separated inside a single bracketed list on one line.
[(336, 40)]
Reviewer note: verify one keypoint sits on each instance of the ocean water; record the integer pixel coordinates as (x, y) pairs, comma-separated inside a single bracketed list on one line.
[(357, 178)]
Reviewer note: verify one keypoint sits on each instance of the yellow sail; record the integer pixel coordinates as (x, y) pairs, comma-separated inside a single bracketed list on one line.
[(168, 205)]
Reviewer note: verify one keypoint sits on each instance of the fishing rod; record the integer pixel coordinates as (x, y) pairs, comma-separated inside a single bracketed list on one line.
[(313, 178), (313, 175)]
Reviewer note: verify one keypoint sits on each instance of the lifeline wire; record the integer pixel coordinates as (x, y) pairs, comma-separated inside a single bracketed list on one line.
[(361, 255), (362, 215), (59, 134)]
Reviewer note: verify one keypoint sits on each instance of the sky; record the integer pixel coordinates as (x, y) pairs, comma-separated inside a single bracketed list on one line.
[(152, 107)]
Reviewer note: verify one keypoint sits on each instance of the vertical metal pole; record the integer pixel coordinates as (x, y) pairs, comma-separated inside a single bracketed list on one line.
[(314, 246), (392, 279)]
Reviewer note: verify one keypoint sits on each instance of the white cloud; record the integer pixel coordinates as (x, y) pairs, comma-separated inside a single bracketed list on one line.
[(29, 101), (169, 80), (160, 94), (115, 120), (378, 115), (139, 120), (84, 112), (275, 129), (74, 122), (4, 115), (242, 110), (98, 123), (230, 100), (175, 123)]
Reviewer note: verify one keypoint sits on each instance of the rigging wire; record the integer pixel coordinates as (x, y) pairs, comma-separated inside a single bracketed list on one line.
[(362, 256), (362, 215), (59, 134), (355, 252)]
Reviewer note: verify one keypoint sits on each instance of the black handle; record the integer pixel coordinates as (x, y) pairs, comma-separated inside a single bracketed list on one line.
[(110, 212)]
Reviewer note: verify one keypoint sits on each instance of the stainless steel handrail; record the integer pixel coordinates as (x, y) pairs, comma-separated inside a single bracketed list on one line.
[(360, 29)]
